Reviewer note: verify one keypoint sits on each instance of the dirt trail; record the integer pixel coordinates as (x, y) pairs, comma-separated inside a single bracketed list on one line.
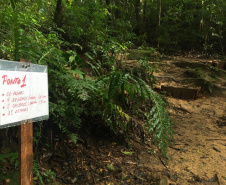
[(198, 153)]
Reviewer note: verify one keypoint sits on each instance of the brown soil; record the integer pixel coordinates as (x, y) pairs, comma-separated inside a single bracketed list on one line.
[(198, 153)]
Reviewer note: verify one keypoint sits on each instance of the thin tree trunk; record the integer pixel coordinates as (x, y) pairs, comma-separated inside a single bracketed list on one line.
[(159, 18), (125, 5), (144, 19), (137, 14), (118, 10), (160, 12), (59, 13), (108, 2)]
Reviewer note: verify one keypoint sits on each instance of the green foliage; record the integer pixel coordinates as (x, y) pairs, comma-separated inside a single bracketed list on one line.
[(109, 55), (127, 153), (42, 177), (65, 105), (104, 32), (37, 174), (110, 167), (22, 38), (50, 175), (11, 160), (189, 24), (204, 79), (117, 89), (159, 121)]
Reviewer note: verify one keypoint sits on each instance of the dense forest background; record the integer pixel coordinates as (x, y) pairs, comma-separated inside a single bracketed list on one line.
[(83, 43), (171, 26)]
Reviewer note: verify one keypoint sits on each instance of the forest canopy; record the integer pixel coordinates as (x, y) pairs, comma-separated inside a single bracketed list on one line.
[(172, 26)]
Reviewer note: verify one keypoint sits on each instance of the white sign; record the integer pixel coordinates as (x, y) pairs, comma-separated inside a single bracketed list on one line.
[(23, 96)]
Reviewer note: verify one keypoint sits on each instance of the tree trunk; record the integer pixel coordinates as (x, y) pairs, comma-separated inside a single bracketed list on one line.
[(59, 13), (144, 18), (159, 17), (118, 11), (108, 2), (137, 15), (160, 12)]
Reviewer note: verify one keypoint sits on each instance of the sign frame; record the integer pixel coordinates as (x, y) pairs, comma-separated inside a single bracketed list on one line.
[(26, 68)]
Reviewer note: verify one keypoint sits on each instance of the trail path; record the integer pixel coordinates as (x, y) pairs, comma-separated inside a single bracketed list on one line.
[(198, 153)]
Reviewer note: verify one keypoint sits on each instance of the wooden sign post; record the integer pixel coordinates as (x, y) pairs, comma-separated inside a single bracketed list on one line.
[(23, 99), (26, 152)]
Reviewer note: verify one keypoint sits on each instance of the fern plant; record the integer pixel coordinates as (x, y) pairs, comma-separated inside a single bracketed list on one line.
[(120, 94), (108, 95), (117, 89), (22, 38), (16, 42)]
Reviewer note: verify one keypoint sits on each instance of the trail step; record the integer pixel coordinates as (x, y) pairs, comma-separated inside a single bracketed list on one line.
[(219, 64), (181, 92)]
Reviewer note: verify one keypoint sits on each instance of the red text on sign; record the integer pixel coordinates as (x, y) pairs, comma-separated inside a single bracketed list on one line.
[(9, 81)]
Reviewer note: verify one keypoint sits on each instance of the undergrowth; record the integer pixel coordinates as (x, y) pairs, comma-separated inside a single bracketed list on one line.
[(108, 92), (119, 88)]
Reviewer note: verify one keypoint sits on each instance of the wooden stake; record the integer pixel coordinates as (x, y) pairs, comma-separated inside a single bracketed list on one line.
[(26, 151), (26, 154)]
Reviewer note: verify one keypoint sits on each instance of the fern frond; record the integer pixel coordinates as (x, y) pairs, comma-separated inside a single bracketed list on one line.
[(159, 120), (71, 135), (44, 55)]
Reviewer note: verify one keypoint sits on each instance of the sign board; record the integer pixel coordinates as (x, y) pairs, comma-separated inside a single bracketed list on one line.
[(23, 93)]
